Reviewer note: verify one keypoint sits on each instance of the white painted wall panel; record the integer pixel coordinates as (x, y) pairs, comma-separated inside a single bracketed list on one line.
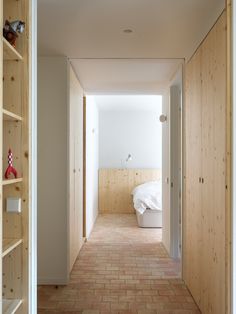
[(52, 170), (92, 163), (60, 126), (166, 172)]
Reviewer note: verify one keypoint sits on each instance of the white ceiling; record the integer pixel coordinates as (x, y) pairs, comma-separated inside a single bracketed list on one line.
[(127, 76), (129, 103), (94, 29), (90, 34)]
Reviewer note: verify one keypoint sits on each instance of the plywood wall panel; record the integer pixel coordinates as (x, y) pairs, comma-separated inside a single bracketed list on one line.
[(12, 86), (75, 167), (116, 185), (12, 274), (204, 240), (192, 240), (214, 167)]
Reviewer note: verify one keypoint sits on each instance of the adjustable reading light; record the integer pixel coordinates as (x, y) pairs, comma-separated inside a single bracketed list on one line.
[(129, 158), (162, 118)]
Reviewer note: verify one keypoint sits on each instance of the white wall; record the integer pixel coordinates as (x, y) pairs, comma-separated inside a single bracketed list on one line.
[(171, 166), (52, 176), (123, 132), (92, 163), (166, 172)]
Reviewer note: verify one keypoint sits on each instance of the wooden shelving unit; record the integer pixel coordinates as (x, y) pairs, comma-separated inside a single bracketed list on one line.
[(10, 116), (9, 52), (11, 306), (12, 181), (9, 245), (15, 135)]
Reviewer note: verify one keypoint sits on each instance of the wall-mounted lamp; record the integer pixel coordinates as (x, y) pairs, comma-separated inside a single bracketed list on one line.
[(129, 158), (162, 118)]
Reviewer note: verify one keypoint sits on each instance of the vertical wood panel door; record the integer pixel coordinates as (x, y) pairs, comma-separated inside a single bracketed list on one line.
[(79, 170), (205, 203), (192, 240), (75, 168), (213, 168), (72, 121)]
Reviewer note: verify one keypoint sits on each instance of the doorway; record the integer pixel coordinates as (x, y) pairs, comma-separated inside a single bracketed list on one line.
[(131, 149)]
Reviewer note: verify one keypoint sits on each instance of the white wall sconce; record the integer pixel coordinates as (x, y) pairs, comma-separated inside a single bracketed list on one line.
[(163, 118), (129, 158)]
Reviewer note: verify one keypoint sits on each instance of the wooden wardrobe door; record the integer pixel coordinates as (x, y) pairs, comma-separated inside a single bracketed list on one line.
[(213, 169), (71, 190), (192, 240), (79, 172), (76, 169)]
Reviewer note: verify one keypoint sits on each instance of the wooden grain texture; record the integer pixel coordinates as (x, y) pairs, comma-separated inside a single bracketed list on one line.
[(1, 141), (84, 166), (116, 185), (12, 135), (75, 167), (205, 203), (192, 240), (10, 116), (25, 50), (12, 226), (13, 86), (9, 245), (11, 306), (213, 168), (229, 168), (12, 274), (9, 52), (17, 136)]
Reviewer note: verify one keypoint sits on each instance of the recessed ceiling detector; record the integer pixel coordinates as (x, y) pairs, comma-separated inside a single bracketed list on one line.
[(128, 31)]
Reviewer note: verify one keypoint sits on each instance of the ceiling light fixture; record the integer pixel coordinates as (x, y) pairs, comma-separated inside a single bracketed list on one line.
[(128, 31)]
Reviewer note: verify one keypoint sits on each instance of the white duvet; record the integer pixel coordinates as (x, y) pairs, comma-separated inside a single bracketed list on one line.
[(147, 196)]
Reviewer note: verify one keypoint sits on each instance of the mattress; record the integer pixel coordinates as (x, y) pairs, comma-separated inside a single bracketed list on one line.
[(149, 219), (148, 195)]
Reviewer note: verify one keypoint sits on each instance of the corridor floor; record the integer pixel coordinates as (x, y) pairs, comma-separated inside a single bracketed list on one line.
[(120, 269)]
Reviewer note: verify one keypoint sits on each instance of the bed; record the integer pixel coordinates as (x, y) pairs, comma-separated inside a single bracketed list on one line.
[(147, 199)]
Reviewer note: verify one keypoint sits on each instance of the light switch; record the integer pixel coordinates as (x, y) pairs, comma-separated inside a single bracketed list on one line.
[(13, 205)]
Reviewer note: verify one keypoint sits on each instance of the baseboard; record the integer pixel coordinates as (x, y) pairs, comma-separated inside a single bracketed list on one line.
[(52, 281)]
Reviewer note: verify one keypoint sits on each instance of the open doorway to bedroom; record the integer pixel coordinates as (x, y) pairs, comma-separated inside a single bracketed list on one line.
[(127, 147)]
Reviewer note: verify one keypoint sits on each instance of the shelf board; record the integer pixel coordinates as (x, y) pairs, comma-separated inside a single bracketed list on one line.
[(11, 181), (10, 306), (10, 116), (9, 245), (9, 52)]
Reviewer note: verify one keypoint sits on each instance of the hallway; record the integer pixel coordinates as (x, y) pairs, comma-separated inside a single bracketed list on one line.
[(120, 269)]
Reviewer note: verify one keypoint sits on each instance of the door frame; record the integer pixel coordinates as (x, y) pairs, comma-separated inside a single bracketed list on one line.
[(84, 166), (176, 169)]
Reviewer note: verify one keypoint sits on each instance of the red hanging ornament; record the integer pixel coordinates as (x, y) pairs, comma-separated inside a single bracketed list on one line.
[(10, 168)]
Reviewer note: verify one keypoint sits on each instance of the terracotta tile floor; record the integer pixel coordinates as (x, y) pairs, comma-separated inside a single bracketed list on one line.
[(121, 269)]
